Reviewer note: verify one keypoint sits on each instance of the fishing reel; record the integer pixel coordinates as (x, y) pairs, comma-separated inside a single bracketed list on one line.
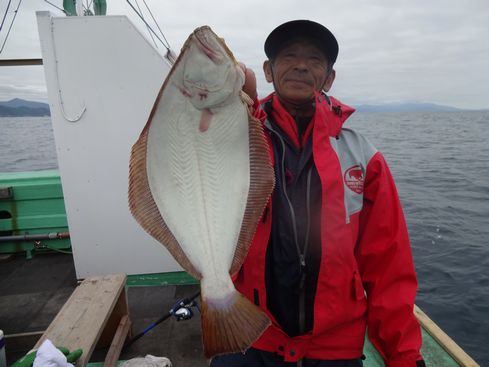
[(182, 310)]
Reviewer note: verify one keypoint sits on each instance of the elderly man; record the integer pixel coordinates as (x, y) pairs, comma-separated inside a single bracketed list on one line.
[(331, 254)]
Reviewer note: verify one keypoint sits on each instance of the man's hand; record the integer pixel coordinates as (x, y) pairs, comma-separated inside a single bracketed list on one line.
[(249, 86)]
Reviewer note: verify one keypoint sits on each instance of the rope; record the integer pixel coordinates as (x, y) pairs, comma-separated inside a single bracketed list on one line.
[(60, 251), (5, 15), (167, 46), (11, 24), (77, 117), (154, 20), (86, 9), (57, 7), (152, 38)]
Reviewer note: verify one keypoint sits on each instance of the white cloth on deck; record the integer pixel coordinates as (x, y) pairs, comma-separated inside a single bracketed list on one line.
[(148, 361), (49, 356)]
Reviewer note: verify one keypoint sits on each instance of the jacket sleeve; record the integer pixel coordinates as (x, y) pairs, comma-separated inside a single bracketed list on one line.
[(385, 262)]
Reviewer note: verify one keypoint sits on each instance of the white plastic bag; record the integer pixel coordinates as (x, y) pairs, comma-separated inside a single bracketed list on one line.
[(148, 361)]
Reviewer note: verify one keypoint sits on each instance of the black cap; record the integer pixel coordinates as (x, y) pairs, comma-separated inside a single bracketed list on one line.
[(317, 33)]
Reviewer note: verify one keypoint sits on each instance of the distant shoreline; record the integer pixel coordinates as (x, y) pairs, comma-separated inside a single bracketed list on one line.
[(21, 108), (23, 112)]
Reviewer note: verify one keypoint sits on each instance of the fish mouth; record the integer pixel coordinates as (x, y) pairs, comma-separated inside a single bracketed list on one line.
[(207, 42)]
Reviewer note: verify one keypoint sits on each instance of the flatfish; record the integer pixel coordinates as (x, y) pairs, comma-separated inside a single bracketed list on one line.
[(200, 177)]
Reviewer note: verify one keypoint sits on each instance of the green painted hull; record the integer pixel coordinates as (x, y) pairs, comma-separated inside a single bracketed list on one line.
[(32, 203)]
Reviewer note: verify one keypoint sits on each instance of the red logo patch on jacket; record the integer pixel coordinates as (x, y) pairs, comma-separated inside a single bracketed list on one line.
[(354, 179)]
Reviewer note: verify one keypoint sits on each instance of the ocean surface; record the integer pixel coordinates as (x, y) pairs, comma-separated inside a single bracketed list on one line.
[(440, 162), (27, 144)]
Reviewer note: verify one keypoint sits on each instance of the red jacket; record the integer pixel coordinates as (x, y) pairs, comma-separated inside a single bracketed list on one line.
[(366, 275)]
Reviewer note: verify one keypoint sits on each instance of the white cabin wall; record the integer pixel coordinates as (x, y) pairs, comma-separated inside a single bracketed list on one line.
[(106, 65)]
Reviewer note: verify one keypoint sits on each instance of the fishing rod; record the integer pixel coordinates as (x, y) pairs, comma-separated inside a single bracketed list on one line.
[(182, 310)]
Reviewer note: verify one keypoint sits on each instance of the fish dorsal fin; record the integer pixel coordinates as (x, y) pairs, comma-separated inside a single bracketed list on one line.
[(143, 206)]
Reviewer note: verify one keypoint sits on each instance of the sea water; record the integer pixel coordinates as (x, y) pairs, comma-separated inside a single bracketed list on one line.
[(440, 162), (26, 144)]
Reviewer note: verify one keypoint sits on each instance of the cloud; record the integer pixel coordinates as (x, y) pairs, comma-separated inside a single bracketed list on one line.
[(25, 82), (432, 51)]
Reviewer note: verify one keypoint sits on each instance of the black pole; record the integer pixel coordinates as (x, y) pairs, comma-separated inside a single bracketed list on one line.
[(182, 303)]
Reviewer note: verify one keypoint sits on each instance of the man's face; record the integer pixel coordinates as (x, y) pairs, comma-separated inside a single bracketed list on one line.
[(298, 71)]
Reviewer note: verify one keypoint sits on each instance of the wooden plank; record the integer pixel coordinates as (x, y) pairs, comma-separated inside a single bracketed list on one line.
[(120, 309), (20, 62), (457, 353), (81, 320), (118, 342)]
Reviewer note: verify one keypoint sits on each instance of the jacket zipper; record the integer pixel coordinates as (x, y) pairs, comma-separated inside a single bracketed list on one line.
[(302, 254), (302, 261)]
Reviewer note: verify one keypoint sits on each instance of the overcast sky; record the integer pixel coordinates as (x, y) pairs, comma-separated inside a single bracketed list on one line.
[(390, 51)]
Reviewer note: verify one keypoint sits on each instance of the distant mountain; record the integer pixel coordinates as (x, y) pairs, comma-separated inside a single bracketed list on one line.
[(17, 102), (21, 107), (406, 107)]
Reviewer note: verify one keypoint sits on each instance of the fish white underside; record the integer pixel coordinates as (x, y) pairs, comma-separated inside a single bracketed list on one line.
[(200, 181)]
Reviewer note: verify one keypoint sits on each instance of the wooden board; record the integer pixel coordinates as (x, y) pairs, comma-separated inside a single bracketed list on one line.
[(84, 317), (118, 342)]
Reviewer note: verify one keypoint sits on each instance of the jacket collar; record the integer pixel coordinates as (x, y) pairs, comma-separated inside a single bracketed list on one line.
[(328, 109)]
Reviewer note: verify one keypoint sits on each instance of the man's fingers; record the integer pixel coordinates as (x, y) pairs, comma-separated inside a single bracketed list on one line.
[(249, 86)]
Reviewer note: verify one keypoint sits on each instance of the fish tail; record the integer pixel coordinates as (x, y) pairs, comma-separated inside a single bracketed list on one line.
[(231, 325)]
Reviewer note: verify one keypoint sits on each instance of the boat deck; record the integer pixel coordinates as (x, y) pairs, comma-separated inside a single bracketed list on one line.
[(33, 291)]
